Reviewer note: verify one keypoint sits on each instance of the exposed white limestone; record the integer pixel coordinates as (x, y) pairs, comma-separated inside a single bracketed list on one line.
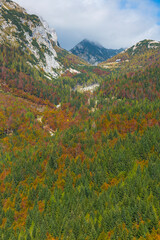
[(74, 71), (90, 88), (39, 38)]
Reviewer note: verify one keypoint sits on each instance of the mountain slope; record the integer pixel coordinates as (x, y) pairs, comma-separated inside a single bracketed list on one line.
[(29, 32), (92, 52), (142, 47), (138, 56), (33, 35)]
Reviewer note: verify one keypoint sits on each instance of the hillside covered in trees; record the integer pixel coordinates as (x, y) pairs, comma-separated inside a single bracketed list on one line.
[(86, 170)]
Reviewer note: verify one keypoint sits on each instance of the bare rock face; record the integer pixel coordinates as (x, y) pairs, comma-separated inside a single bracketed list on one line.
[(93, 52), (31, 33)]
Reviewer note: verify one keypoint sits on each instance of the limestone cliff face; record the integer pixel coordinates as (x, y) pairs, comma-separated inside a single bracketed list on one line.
[(31, 33)]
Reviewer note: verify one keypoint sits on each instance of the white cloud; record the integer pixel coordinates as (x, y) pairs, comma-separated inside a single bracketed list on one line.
[(113, 23)]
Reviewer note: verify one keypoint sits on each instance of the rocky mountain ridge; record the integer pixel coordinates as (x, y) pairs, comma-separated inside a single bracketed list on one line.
[(140, 54), (93, 52), (18, 28), (33, 36), (142, 46), (139, 48)]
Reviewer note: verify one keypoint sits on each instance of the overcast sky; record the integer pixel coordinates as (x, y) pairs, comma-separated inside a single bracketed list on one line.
[(112, 23)]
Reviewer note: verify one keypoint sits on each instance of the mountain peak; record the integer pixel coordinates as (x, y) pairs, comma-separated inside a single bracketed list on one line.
[(92, 43), (93, 52), (8, 4)]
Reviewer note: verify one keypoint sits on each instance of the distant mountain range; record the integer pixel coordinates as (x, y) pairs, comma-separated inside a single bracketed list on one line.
[(93, 52)]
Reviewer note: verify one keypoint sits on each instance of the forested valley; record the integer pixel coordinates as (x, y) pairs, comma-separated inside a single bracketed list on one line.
[(79, 165)]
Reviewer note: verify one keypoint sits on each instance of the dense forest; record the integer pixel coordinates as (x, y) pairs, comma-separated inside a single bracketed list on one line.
[(79, 165)]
